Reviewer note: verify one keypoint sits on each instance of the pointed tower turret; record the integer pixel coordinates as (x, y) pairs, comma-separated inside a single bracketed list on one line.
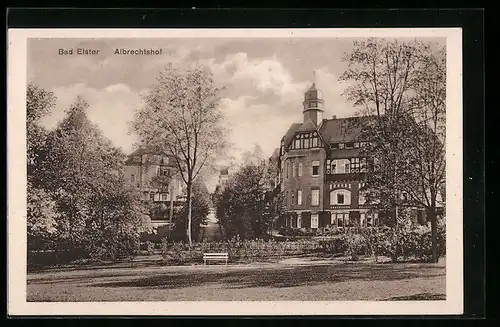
[(313, 105)]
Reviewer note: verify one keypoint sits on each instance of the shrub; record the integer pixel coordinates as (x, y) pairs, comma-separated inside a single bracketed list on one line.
[(238, 250), (355, 245), (408, 242), (150, 248)]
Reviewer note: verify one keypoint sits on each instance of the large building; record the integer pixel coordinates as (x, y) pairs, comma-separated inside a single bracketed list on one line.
[(154, 176), (321, 173)]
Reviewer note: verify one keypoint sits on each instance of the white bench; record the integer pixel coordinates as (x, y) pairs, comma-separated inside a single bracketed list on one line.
[(215, 257)]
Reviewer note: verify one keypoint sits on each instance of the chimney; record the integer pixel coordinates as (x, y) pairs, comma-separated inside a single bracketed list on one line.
[(334, 117)]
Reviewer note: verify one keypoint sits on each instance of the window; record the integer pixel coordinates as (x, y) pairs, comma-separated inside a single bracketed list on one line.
[(369, 220), (355, 165), (293, 197), (306, 143), (349, 145), (157, 171), (362, 220), (286, 198), (333, 219), (300, 169), (334, 146), (167, 172), (340, 166), (340, 198), (296, 169), (315, 197), (151, 196), (315, 142), (287, 164), (333, 167), (315, 168), (314, 220), (165, 197), (299, 197), (313, 104), (342, 219), (132, 178), (297, 143)]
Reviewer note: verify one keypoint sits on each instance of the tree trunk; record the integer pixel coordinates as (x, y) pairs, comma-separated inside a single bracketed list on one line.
[(433, 218), (171, 214), (189, 213)]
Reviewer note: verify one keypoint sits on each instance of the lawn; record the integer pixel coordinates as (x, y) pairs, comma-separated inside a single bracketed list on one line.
[(325, 281)]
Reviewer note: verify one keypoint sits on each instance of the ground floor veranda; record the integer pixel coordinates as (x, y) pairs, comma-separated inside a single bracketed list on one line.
[(338, 218)]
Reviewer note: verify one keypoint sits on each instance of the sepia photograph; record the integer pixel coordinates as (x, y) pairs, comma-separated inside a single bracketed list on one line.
[(243, 167)]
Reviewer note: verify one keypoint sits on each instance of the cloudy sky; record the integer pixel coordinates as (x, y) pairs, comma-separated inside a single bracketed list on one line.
[(264, 80)]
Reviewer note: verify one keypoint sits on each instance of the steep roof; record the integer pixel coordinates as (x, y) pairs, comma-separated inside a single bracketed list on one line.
[(276, 153), (344, 153), (291, 132), (307, 127), (136, 156), (343, 129)]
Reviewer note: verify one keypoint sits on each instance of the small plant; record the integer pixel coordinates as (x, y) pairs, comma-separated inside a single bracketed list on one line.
[(150, 248)]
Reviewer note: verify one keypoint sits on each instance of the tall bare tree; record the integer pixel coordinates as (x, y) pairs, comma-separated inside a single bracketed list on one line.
[(181, 116), (401, 85)]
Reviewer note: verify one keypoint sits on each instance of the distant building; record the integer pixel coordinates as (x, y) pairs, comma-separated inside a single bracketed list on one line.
[(225, 174), (145, 168)]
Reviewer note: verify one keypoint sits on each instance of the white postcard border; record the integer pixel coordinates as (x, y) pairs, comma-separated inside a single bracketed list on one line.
[(16, 163)]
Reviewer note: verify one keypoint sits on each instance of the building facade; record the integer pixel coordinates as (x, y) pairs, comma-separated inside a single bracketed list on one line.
[(155, 177), (321, 172)]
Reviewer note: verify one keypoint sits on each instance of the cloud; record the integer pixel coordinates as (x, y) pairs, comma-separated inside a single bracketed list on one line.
[(111, 108), (118, 88)]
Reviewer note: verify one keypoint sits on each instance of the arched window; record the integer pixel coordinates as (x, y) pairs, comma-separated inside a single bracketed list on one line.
[(340, 197)]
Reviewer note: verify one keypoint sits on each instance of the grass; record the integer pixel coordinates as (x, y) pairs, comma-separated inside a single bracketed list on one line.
[(330, 281)]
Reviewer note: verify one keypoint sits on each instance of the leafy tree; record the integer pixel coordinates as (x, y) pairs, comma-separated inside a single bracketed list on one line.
[(401, 86), (42, 217), (42, 214), (83, 172), (39, 103), (181, 116), (244, 207)]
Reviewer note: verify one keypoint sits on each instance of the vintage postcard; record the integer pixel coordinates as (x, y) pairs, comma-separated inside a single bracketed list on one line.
[(235, 172)]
